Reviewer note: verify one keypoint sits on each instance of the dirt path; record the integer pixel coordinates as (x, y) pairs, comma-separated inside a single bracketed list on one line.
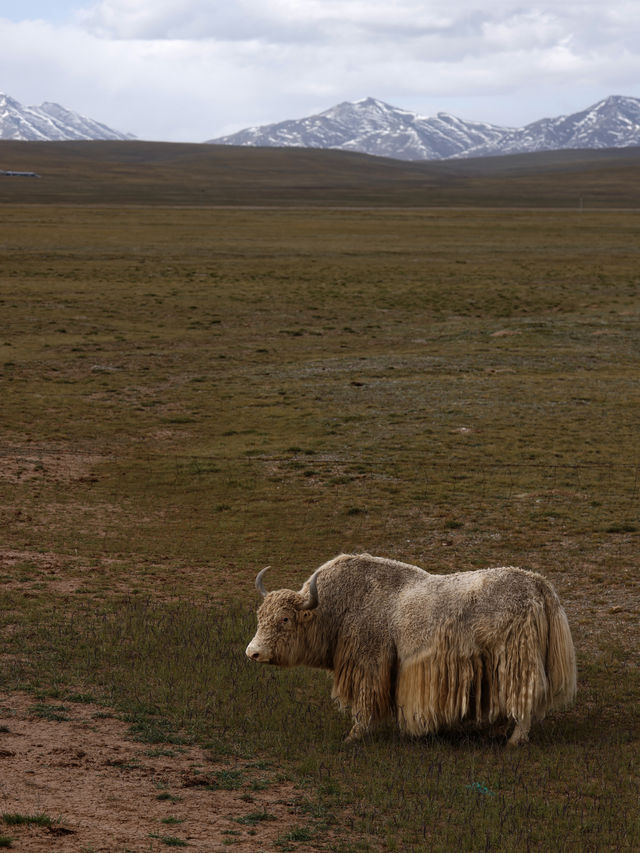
[(106, 792)]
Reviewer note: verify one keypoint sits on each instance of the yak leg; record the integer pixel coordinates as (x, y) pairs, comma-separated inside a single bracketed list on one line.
[(520, 733), (357, 731), (367, 691), (363, 715), (360, 727)]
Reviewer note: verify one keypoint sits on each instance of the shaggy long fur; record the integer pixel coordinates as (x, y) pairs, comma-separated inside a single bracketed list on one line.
[(479, 648)]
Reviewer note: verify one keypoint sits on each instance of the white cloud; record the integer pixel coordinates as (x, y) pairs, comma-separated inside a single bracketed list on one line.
[(237, 20), (333, 20), (194, 69), (524, 30)]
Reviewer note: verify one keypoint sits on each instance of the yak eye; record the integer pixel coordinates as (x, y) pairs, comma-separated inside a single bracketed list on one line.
[(285, 618)]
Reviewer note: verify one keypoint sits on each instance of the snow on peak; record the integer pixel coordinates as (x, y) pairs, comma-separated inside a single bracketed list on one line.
[(49, 122), (375, 127)]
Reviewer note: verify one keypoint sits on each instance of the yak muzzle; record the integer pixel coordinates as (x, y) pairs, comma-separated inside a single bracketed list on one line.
[(255, 652)]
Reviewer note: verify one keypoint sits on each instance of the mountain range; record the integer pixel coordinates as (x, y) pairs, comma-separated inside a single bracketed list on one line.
[(49, 122), (371, 126)]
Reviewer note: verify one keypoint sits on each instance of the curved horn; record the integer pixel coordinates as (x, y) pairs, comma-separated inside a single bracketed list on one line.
[(312, 600), (259, 582)]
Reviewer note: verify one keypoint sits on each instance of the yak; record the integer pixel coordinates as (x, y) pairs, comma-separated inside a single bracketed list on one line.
[(486, 649)]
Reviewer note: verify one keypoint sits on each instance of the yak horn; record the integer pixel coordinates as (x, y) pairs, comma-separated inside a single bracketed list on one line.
[(259, 582), (312, 600)]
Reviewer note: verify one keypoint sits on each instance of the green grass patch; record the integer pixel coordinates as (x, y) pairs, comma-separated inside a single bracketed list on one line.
[(254, 818), (300, 833), (170, 840), (17, 819), (55, 713)]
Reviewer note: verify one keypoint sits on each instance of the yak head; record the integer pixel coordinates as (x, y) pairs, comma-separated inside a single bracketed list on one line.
[(284, 621)]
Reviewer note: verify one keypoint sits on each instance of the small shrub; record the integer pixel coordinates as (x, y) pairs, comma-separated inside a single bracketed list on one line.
[(16, 819), (170, 840), (300, 833), (254, 818), (84, 698), (622, 528), (55, 713)]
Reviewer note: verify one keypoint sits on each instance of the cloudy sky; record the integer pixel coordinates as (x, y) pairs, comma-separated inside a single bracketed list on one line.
[(190, 70)]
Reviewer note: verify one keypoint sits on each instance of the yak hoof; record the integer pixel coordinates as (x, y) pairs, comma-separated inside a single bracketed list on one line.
[(519, 737), (356, 733)]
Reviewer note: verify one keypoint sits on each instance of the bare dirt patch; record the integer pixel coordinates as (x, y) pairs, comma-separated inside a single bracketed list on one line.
[(18, 464), (27, 570), (106, 792)]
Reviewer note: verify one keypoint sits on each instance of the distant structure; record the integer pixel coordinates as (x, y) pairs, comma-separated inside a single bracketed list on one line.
[(11, 174)]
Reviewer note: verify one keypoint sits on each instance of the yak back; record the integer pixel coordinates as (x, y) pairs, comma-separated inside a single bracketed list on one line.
[(358, 592), (374, 601), (478, 606)]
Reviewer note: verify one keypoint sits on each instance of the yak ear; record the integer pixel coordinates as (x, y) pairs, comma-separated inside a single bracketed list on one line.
[(306, 615)]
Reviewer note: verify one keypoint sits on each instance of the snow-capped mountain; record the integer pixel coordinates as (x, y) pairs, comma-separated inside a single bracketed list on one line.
[(611, 123), (373, 127), (49, 122)]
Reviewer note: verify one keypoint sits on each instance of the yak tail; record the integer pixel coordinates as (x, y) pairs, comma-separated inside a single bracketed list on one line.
[(561, 656)]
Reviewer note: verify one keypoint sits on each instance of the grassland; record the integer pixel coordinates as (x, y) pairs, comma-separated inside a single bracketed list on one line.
[(191, 394), (155, 173)]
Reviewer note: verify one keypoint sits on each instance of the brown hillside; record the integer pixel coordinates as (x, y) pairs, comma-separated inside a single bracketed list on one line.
[(181, 174)]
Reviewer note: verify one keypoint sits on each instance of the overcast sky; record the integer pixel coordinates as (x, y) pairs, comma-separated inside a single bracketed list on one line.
[(191, 70)]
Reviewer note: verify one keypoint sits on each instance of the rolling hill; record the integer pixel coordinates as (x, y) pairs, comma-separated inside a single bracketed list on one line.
[(132, 172)]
